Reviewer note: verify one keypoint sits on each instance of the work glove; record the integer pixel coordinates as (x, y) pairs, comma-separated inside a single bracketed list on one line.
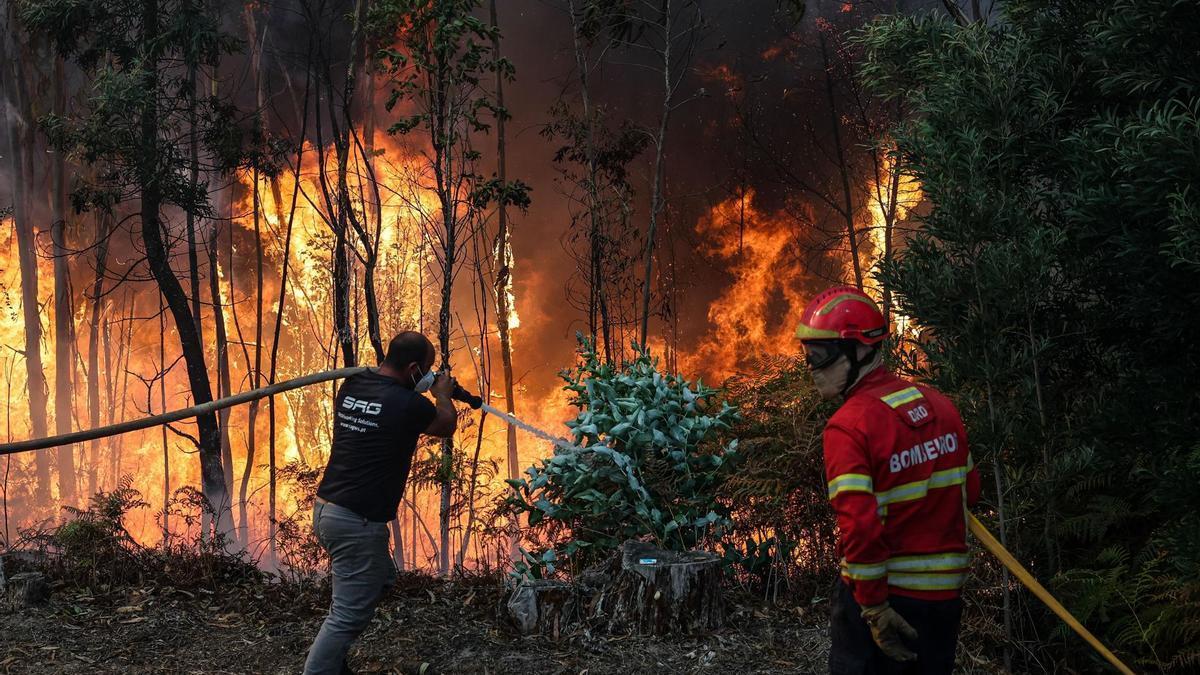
[(887, 628)]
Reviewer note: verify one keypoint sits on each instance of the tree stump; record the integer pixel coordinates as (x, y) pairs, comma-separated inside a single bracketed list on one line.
[(649, 591), (543, 607), (27, 589)]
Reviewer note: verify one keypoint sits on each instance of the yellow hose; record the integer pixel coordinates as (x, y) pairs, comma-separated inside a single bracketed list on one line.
[(991, 544)]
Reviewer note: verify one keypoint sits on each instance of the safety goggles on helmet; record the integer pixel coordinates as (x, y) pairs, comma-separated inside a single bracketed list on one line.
[(822, 353)]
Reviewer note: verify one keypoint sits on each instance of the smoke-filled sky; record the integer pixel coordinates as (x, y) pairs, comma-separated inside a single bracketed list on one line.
[(752, 58)]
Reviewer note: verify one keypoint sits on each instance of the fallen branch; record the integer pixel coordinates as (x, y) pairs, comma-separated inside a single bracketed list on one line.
[(176, 415)]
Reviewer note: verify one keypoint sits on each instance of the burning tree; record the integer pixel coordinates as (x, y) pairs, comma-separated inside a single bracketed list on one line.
[(139, 54), (441, 56)]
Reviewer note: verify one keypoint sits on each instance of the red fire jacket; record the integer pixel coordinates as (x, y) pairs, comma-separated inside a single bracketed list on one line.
[(900, 478)]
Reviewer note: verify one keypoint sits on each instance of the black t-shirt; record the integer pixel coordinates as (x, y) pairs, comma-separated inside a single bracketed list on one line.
[(375, 428)]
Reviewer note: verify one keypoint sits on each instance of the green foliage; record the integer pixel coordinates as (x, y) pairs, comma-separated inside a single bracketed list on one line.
[(648, 466), (139, 67), (1057, 277), (437, 57)]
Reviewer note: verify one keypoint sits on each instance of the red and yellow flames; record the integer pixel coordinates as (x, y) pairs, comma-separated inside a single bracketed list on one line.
[(770, 257), (766, 253)]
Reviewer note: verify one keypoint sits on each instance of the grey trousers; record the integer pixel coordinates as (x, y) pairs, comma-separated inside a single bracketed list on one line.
[(362, 571)]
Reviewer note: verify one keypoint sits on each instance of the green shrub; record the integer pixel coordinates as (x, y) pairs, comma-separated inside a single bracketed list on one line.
[(648, 465)]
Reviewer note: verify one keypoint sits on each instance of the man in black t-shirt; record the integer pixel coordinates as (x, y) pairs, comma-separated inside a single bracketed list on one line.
[(378, 416)]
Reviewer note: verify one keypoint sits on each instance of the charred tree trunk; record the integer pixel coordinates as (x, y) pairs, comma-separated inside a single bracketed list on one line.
[(442, 117), (256, 371), (656, 190), (597, 236), (649, 591), (372, 210), (166, 450), (64, 315), (158, 258), (544, 607), (504, 267), (222, 353), (221, 337), (640, 590), (189, 216), (21, 144), (93, 384), (847, 207)]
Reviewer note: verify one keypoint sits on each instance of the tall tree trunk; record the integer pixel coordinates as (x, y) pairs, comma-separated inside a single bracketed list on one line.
[(21, 142), (64, 315), (158, 258), (343, 213), (110, 390), (442, 137), (504, 268), (166, 454), (656, 190), (189, 216), (372, 210), (222, 353), (597, 237), (256, 371), (847, 208), (447, 468), (224, 381), (279, 309), (93, 385)]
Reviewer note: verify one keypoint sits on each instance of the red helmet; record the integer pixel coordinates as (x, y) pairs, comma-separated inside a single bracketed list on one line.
[(842, 313)]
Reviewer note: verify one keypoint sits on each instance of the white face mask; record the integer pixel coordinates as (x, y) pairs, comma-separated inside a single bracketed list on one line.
[(422, 385)]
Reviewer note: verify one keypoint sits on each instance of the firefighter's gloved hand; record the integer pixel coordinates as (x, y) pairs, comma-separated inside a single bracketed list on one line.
[(887, 628)]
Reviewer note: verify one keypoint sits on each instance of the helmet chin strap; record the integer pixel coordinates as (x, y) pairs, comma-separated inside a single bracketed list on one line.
[(850, 351)]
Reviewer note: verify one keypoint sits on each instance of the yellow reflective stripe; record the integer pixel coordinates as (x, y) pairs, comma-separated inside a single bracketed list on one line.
[(935, 562), (809, 333), (839, 299), (948, 477), (850, 482), (928, 582), (899, 398), (918, 489), (863, 571)]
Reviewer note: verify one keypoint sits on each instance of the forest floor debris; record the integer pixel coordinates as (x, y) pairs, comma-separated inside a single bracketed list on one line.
[(441, 626)]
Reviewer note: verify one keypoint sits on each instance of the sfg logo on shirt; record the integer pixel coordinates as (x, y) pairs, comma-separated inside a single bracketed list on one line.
[(367, 407)]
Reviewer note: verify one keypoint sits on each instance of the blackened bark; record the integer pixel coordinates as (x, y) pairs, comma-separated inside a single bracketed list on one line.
[(21, 144), (847, 207), (504, 270), (64, 316), (159, 261), (93, 384)]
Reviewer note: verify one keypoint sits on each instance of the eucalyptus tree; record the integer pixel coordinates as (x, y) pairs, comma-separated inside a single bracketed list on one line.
[(138, 56), (441, 52)]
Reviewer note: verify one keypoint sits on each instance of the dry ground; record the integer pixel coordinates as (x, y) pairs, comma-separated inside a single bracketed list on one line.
[(443, 627)]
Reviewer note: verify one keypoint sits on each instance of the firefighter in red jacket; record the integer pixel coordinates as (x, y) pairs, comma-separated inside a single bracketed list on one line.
[(900, 478)]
